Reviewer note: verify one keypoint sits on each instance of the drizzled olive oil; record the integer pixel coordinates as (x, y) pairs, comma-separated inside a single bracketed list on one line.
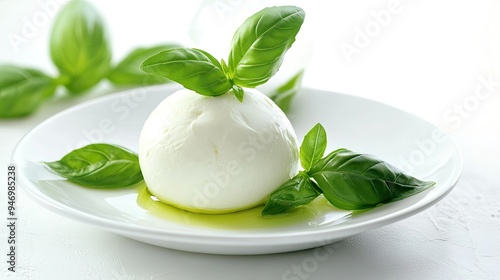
[(315, 213)]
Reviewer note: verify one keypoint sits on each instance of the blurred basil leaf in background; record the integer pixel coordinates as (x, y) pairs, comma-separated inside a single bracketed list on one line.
[(353, 181), (128, 73), (283, 96), (79, 46), (22, 90)]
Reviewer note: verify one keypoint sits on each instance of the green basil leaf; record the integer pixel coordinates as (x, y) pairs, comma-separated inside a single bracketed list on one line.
[(313, 146), (127, 72), (22, 90), (99, 166), (284, 94), (238, 92), (194, 69), (79, 46), (299, 190), (259, 45), (353, 181)]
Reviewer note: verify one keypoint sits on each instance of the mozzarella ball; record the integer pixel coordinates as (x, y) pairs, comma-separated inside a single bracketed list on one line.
[(216, 154)]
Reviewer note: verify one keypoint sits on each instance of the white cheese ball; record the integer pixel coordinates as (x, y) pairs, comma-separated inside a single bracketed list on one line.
[(216, 154)]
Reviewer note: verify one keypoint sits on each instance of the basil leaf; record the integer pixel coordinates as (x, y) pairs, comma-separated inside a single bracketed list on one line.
[(353, 181), (299, 190), (99, 166), (285, 93), (313, 146), (127, 72), (79, 46), (238, 92), (194, 69), (22, 90), (212, 58), (259, 45)]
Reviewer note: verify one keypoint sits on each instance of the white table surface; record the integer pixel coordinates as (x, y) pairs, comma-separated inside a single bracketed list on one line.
[(429, 59)]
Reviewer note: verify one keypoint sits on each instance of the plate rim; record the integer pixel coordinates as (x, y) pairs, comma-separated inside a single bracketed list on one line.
[(343, 229)]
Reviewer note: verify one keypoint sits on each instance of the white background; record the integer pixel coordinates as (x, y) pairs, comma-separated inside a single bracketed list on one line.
[(428, 59)]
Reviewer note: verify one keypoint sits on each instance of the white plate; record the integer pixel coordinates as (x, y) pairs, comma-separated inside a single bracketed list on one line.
[(358, 124)]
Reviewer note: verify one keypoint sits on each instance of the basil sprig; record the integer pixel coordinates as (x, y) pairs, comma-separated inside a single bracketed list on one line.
[(355, 181), (348, 180), (99, 166), (313, 147), (257, 51), (80, 49)]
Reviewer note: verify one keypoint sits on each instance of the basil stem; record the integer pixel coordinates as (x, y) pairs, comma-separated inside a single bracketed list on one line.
[(99, 166)]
